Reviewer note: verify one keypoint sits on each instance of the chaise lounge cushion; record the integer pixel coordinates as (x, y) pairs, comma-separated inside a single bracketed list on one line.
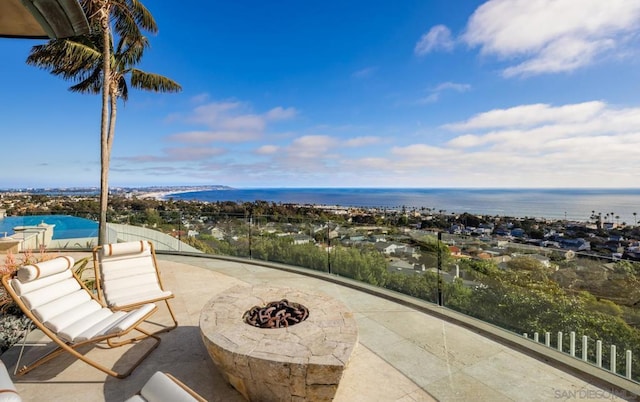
[(161, 388), (128, 274), (63, 306), (8, 392)]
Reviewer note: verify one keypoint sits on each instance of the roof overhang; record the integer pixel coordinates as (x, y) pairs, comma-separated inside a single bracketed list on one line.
[(42, 19)]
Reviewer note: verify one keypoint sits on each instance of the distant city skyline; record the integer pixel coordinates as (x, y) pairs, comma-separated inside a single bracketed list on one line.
[(498, 94)]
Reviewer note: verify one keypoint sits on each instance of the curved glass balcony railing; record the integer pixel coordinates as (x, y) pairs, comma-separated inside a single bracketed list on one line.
[(558, 293)]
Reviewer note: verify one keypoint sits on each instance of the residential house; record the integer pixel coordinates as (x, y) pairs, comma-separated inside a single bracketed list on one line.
[(302, 239), (455, 251), (217, 233)]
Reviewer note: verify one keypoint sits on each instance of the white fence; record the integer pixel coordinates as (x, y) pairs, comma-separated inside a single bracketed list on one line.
[(585, 351)]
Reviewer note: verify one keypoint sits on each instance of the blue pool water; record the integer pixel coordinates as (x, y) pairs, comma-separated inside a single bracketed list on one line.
[(67, 227)]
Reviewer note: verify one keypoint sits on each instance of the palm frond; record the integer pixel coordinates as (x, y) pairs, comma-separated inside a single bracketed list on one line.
[(143, 17), (79, 59), (65, 57), (153, 82), (90, 85), (123, 90), (130, 51), (130, 17)]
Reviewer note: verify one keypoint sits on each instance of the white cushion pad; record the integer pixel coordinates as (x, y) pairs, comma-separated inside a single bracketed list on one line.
[(129, 299), (26, 287), (162, 388), (81, 312), (46, 294), (57, 306), (8, 392)]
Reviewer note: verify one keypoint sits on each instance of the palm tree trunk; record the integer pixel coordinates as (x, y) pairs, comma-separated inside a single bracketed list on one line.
[(104, 126)]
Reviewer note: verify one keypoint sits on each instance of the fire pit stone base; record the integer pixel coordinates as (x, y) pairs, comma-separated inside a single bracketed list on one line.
[(296, 363)]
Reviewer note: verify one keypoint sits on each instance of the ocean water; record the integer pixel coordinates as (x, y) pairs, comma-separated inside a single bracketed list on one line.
[(67, 227), (572, 204)]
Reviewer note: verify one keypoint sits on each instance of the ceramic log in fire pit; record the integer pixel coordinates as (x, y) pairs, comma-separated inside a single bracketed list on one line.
[(276, 314), (303, 361)]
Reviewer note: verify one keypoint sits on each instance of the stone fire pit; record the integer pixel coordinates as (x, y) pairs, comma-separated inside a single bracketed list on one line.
[(300, 362)]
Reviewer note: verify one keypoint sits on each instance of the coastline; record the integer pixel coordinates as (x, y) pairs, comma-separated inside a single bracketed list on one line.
[(578, 205), (618, 205), (162, 195)]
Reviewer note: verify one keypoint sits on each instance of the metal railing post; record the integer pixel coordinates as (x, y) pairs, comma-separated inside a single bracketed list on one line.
[(559, 345), (612, 361), (572, 343)]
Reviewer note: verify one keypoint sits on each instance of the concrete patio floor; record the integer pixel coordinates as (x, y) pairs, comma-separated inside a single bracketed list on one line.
[(402, 354)]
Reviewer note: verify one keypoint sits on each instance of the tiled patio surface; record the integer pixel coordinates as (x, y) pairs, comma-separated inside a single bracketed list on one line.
[(402, 354)]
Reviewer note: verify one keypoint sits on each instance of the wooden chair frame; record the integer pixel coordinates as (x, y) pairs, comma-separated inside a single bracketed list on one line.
[(97, 264), (64, 346), (186, 388)]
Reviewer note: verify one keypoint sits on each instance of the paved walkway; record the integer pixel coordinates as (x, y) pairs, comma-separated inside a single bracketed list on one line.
[(402, 355)]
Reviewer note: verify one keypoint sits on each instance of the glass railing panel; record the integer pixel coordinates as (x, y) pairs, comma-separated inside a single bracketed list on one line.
[(519, 287), (551, 291)]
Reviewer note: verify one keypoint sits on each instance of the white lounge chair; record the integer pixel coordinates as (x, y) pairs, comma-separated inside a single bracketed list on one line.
[(65, 310), (8, 391), (127, 276), (163, 387)]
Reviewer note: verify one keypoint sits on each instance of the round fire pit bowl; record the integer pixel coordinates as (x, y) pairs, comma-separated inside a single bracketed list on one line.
[(297, 362), (276, 314)]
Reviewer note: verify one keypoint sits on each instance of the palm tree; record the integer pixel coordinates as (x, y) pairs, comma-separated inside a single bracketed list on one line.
[(99, 67)]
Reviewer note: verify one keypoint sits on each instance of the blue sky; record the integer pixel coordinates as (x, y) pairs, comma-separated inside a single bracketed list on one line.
[(439, 93)]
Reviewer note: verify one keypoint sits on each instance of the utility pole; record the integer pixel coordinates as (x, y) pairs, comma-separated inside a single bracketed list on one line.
[(328, 249), (250, 224), (439, 269)]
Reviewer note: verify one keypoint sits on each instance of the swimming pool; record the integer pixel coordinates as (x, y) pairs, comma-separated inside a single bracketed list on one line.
[(67, 226)]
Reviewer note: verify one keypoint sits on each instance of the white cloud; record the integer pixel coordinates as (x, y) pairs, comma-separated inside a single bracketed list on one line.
[(453, 86), (362, 141), (532, 145), (528, 115), (431, 98), (229, 122), (434, 96), (311, 145), (204, 137), (423, 152), (438, 37), (559, 148), (248, 122), (376, 164), (280, 113), (267, 150), (177, 154), (211, 114), (364, 73), (565, 54), (584, 148), (544, 36), (200, 98), (191, 153)]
